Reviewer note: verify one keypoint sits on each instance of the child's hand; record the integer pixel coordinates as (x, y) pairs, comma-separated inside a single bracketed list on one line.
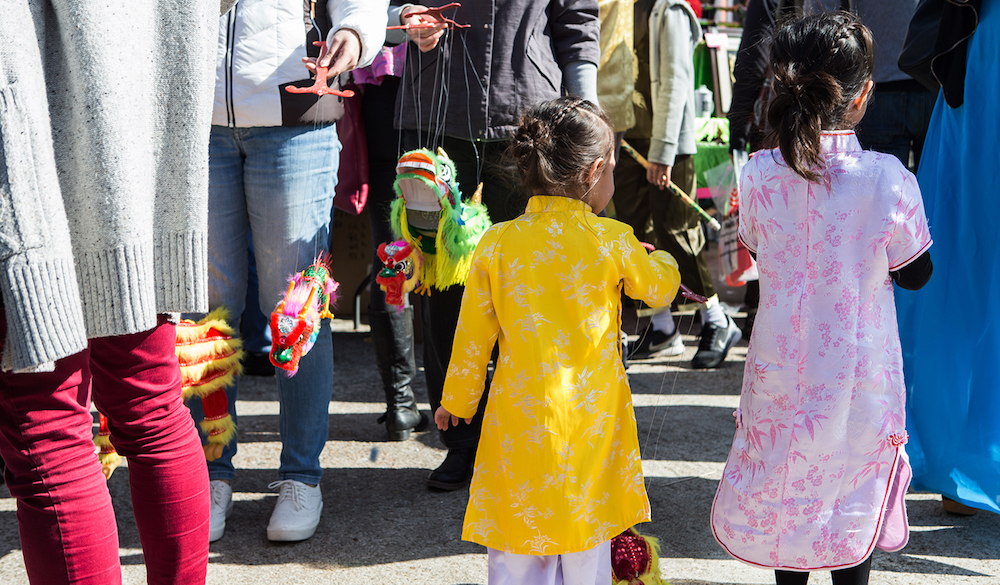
[(442, 416)]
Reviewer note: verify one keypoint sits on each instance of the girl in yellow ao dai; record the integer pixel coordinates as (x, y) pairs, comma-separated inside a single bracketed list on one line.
[(557, 469)]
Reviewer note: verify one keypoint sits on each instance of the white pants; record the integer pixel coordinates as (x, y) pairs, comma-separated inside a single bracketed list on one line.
[(589, 567)]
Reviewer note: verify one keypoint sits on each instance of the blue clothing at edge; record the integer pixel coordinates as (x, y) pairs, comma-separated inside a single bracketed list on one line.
[(950, 329)]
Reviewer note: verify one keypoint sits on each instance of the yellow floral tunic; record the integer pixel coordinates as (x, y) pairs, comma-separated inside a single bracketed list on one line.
[(558, 468)]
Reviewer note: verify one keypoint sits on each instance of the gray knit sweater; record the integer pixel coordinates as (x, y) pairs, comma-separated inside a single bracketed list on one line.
[(104, 124)]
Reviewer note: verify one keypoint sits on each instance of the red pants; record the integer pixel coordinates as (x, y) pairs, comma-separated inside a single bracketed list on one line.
[(64, 512)]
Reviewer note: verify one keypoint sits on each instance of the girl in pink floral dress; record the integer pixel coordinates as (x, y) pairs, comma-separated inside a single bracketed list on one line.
[(817, 472)]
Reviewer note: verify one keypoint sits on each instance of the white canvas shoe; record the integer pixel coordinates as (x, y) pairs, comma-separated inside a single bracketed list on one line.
[(222, 507), (296, 515)]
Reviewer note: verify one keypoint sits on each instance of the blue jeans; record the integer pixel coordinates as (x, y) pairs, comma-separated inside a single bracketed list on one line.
[(255, 328), (280, 182)]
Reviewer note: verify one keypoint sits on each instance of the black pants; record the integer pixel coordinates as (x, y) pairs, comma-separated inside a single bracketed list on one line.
[(474, 162), (383, 146), (856, 575)]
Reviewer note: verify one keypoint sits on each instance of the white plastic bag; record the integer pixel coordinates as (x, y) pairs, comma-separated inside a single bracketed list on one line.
[(721, 181)]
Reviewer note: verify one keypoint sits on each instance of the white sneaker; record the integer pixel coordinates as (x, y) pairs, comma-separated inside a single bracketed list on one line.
[(296, 515), (222, 507)]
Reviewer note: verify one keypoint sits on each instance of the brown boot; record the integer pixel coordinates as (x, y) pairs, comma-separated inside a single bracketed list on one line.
[(957, 508)]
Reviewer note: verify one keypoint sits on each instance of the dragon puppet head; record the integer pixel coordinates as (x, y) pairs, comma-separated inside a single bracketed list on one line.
[(297, 319), (429, 184), (429, 214), (400, 273)]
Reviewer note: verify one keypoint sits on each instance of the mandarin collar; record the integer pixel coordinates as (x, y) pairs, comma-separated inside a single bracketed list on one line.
[(839, 141), (548, 203)]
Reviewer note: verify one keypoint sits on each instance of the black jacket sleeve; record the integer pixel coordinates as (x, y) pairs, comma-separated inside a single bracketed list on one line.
[(576, 31), (749, 72)]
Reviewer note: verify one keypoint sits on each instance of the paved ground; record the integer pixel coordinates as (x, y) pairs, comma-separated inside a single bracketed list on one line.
[(381, 525)]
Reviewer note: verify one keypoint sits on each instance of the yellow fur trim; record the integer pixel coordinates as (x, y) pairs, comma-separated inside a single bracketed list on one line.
[(450, 272), (192, 373), (109, 463), (112, 458), (654, 577), (220, 430), (195, 352), (216, 319), (102, 441), (404, 227), (441, 271)]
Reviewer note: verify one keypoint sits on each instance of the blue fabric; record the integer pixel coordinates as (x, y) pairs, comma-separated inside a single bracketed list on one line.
[(280, 182), (950, 329)]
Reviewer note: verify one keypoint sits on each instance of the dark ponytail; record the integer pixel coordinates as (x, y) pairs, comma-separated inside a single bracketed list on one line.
[(820, 64), (556, 143)]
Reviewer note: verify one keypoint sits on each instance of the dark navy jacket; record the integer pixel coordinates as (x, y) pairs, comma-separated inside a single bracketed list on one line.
[(477, 81)]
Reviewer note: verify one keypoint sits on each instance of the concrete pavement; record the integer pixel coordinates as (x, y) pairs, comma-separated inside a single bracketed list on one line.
[(380, 524)]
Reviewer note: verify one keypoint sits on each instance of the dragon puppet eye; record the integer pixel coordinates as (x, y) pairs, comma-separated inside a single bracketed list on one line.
[(444, 173), (401, 266)]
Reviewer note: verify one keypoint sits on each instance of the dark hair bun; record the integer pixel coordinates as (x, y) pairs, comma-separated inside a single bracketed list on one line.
[(531, 136), (556, 143)]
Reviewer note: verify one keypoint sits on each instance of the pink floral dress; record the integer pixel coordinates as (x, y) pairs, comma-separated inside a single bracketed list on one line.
[(817, 471)]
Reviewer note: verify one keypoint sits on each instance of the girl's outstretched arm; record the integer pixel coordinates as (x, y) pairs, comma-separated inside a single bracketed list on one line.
[(477, 332), (651, 277)]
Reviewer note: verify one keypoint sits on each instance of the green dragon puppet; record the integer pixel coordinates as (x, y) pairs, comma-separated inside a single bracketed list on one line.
[(429, 213)]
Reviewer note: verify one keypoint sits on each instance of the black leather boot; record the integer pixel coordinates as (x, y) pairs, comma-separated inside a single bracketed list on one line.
[(455, 472), (392, 336)]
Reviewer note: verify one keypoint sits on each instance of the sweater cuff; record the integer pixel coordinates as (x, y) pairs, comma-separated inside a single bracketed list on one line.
[(117, 290), (662, 152), (181, 273), (44, 315)]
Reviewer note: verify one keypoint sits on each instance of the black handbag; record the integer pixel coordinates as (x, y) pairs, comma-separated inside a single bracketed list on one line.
[(936, 44)]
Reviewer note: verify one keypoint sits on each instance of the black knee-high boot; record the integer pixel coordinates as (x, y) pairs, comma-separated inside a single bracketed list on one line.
[(392, 336)]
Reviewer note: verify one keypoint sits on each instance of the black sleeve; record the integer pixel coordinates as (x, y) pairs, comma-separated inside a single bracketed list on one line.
[(749, 72), (915, 274), (575, 29)]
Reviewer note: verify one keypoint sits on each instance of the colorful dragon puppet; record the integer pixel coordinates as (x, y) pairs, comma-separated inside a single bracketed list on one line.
[(400, 272), (429, 214), (209, 354), (297, 320)]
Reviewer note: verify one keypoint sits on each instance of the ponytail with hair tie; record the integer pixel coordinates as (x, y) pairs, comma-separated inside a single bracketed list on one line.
[(820, 64)]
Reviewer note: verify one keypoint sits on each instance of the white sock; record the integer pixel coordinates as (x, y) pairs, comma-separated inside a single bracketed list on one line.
[(664, 322), (711, 312)]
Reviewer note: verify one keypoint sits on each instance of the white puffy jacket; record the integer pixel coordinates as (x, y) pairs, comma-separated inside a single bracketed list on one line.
[(261, 46)]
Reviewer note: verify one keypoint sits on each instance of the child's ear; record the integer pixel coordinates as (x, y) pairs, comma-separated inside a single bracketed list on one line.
[(593, 171), (860, 101)]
